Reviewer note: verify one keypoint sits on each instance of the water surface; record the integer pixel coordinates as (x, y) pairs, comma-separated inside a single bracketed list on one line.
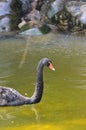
[(63, 105)]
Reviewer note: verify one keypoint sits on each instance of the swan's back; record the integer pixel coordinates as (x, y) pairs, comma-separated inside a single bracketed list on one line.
[(9, 96)]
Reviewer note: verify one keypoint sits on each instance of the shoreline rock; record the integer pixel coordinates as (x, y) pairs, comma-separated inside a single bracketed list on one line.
[(65, 15)]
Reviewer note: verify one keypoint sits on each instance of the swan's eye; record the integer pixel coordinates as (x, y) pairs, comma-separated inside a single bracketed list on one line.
[(48, 64)]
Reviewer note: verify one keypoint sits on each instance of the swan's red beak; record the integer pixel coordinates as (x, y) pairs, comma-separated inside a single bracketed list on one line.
[(51, 67)]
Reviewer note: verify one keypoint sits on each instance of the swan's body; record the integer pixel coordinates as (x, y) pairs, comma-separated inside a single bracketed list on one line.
[(10, 97)]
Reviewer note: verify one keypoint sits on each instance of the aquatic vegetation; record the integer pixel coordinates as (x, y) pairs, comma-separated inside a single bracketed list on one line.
[(15, 17)]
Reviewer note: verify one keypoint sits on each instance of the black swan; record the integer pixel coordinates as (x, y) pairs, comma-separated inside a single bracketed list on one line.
[(10, 97)]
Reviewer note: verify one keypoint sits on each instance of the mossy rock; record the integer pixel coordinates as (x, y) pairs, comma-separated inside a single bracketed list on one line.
[(45, 29), (25, 27)]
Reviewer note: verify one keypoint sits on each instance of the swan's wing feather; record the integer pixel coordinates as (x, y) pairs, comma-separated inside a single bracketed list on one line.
[(9, 95)]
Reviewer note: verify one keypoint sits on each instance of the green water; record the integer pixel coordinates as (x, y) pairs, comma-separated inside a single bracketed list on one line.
[(63, 105)]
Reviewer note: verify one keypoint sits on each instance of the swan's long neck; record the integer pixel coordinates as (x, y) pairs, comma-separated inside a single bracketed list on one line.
[(36, 97)]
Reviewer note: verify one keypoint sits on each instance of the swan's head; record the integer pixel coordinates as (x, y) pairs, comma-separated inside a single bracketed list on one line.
[(47, 62)]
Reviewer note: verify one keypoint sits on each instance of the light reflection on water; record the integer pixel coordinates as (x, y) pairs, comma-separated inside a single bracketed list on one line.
[(63, 106)]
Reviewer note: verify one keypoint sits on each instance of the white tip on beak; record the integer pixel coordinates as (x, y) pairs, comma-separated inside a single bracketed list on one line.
[(53, 69)]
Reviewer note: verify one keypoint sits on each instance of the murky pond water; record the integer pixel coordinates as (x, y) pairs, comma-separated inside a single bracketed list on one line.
[(63, 105)]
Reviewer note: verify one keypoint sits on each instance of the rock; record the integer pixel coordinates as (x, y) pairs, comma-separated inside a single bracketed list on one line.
[(4, 8), (56, 7), (5, 11), (34, 14), (4, 24), (31, 19), (82, 17), (78, 10), (23, 22), (66, 15), (32, 32), (26, 6), (72, 8)]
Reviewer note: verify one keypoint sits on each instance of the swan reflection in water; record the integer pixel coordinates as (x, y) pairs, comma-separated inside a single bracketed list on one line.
[(9, 114)]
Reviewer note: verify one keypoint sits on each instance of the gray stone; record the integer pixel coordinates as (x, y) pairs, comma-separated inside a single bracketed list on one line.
[(56, 6), (4, 8), (4, 24), (32, 32)]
